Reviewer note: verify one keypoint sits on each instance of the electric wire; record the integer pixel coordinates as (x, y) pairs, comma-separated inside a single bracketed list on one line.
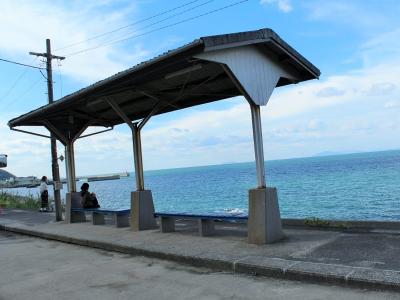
[(23, 73), (163, 20), (129, 25), (20, 64), (17, 98), (159, 28)]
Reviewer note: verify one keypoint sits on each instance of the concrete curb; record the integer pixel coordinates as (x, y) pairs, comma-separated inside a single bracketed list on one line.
[(342, 225), (253, 265)]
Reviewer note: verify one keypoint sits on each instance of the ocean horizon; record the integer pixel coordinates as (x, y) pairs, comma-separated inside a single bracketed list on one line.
[(355, 186)]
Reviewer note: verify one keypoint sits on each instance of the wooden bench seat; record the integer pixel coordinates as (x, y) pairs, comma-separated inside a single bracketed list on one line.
[(205, 222)]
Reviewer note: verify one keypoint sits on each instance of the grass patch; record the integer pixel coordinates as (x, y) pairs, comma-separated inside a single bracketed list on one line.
[(315, 222), (15, 201)]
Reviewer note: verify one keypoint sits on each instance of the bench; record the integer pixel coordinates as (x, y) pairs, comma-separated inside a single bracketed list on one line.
[(78, 213), (205, 222)]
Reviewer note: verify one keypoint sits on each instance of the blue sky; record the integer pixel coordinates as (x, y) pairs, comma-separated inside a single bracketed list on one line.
[(355, 106)]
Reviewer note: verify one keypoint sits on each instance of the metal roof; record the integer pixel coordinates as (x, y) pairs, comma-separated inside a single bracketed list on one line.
[(176, 78)]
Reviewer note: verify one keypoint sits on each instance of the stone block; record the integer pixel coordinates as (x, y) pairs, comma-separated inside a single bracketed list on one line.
[(122, 221), (142, 211), (206, 227), (167, 224), (98, 219), (264, 224)]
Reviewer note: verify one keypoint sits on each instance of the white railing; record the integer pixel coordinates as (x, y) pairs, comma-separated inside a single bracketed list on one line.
[(3, 160)]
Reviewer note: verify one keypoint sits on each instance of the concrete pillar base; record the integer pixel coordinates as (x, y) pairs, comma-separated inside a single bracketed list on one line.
[(67, 218), (167, 224), (142, 211), (264, 225), (73, 200)]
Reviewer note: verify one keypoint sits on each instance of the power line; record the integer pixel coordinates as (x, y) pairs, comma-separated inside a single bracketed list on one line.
[(165, 19), (23, 73), (129, 25), (17, 98), (160, 21), (20, 64), (159, 28)]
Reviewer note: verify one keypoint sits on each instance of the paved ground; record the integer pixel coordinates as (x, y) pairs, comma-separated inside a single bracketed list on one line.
[(364, 258), (27, 217), (40, 269)]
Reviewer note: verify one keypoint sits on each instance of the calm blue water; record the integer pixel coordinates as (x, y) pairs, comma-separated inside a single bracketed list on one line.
[(362, 186)]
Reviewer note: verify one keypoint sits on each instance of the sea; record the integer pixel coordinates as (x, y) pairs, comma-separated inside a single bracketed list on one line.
[(359, 186)]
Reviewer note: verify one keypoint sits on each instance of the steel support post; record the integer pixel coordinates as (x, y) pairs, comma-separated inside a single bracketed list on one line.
[(136, 141), (137, 152), (70, 155), (67, 169), (258, 144)]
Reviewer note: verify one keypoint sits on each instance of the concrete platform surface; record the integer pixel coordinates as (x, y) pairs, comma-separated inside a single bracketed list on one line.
[(361, 259)]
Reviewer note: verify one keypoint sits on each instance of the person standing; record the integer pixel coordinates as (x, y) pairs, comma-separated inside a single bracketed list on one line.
[(44, 194)]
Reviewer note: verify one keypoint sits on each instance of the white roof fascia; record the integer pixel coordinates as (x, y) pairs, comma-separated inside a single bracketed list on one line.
[(256, 72)]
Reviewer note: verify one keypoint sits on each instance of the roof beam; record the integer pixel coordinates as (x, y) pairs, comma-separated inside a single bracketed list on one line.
[(50, 127), (90, 117), (29, 132)]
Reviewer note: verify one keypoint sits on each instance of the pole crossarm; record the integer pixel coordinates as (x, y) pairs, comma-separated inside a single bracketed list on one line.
[(45, 55)]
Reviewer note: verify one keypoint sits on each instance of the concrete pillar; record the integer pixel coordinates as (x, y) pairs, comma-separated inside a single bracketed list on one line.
[(142, 211), (264, 224)]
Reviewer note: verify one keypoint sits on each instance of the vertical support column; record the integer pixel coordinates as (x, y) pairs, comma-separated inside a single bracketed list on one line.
[(67, 169), (258, 143), (142, 206), (137, 152), (264, 224), (70, 161)]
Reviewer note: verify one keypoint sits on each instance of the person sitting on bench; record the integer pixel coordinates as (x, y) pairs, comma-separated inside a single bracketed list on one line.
[(89, 200)]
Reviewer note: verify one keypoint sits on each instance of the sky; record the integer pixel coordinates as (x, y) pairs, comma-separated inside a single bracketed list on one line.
[(353, 107)]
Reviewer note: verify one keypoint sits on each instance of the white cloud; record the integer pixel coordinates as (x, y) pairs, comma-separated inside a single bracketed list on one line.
[(25, 26), (283, 5), (353, 14), (339, 112), (392, 104)]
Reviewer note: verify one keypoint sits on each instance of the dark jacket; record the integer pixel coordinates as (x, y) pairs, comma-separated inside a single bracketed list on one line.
[(89, 200)]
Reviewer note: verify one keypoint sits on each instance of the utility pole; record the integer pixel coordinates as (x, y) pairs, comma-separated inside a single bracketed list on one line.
[(54, 159)]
